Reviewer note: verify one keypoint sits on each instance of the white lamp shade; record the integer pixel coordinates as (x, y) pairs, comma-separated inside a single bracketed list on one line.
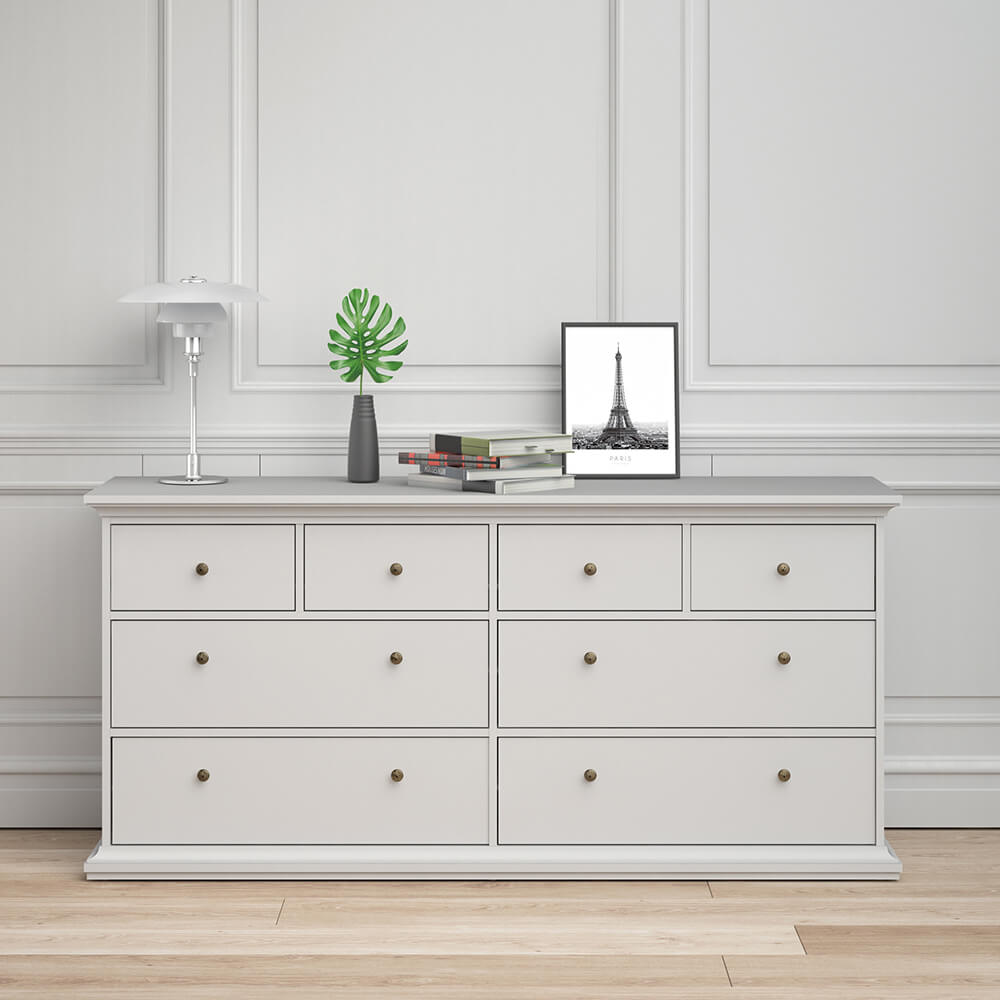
[(193, 290), (191, 312)]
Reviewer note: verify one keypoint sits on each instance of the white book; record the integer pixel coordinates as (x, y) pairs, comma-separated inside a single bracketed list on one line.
[(497, 486), (433, 482), (507, 486)]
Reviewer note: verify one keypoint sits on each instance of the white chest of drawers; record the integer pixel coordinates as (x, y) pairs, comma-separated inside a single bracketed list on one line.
[(664, 679)]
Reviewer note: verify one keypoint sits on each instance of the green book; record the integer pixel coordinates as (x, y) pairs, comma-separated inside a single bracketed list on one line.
[(502, 443)]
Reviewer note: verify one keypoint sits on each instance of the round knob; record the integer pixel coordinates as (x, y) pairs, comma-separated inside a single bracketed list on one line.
[(590, 774), (784, 569), (784, 774), (396, 569), (203, 775), (396, 659), (590, 658), (201, 569), (202, 657), (784, 658), (396, 774), (590, 569)]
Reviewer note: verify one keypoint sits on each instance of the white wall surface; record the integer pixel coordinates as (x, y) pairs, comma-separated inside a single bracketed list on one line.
[(806, 185)]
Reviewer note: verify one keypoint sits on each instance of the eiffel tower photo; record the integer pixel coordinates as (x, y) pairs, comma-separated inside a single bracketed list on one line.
[(621, 442), (619, 432)]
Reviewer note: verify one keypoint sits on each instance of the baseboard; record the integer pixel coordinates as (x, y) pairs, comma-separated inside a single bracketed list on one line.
[(942, 807), (50, 804), (936, 790)]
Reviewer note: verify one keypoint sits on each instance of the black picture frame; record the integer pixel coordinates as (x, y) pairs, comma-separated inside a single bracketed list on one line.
[(658, 417)]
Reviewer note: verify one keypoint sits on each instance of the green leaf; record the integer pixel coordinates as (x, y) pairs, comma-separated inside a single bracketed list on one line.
[(360, 343), (397, 331), (398, 349), (383, 320), (337, 338)]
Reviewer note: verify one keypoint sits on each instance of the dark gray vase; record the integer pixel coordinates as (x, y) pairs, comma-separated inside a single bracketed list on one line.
[(362, 445)]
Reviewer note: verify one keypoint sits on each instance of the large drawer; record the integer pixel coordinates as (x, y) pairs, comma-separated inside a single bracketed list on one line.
[(203, 567), (592, 567), (782, 567), (687, 790), (686, 673), (377, 674), (299, 791), (397, 567)]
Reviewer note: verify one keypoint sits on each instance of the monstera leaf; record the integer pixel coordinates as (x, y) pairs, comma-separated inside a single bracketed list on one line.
[(361, 344)]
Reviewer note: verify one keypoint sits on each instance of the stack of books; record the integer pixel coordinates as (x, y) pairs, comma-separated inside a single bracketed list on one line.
[(492, 462)]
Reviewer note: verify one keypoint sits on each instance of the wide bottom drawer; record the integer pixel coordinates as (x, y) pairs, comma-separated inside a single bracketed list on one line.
[(754, 790), (299, 790)]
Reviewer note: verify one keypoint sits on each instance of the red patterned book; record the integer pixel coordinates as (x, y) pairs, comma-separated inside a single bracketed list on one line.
[(455, 461)]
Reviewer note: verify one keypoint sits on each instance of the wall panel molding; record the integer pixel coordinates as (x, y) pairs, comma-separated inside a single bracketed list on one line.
[(24, 764), (700, 373), (152, 375), (250, 374), (717, 439)]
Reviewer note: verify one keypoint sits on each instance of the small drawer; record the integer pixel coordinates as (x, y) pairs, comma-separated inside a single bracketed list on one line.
[(687, 790), (203, 567), (686, 674), (397, 567), (299, 790), (374, 674), (592, 567), (783, 567)]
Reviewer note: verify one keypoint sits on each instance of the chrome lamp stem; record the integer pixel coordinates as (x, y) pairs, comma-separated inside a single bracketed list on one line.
[(192, 351)]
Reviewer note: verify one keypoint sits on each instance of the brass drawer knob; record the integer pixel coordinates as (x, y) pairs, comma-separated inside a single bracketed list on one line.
[(590, 658), (784, 569), (784, 774), (396, 659), (202, 657), (590, 774), (396, 774), (590, 569), (203, 775), (396, 569), (201, 569), (784, 658)]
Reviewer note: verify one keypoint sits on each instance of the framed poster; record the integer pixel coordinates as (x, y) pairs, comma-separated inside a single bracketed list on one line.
[(620, 400)]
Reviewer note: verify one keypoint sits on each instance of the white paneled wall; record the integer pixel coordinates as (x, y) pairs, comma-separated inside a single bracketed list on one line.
[(806, 185)]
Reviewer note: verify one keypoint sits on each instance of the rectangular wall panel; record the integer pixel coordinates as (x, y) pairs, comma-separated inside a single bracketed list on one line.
[(852, 147), (943, 635), (50, 600), (451, 156), (78, 179)]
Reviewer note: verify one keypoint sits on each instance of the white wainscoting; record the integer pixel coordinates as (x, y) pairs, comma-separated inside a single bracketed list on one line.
[(495, 169)]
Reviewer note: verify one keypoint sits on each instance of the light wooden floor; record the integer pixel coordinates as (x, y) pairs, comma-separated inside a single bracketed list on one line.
[(935, 935)]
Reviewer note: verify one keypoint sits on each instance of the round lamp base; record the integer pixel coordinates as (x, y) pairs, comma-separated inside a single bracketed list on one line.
[(194, 480)]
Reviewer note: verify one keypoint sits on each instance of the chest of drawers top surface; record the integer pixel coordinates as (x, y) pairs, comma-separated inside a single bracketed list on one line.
[(319, 492)]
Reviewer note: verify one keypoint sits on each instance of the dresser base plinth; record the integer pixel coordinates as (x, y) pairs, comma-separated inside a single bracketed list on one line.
[(508, 863)]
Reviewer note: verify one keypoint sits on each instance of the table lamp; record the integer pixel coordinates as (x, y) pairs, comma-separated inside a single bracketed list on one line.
[(193, 305)]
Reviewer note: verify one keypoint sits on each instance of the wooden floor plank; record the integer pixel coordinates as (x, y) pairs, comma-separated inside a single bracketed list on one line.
[(473, 973), (854, 972), (100, 915), (539, 938), (900, 940)]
